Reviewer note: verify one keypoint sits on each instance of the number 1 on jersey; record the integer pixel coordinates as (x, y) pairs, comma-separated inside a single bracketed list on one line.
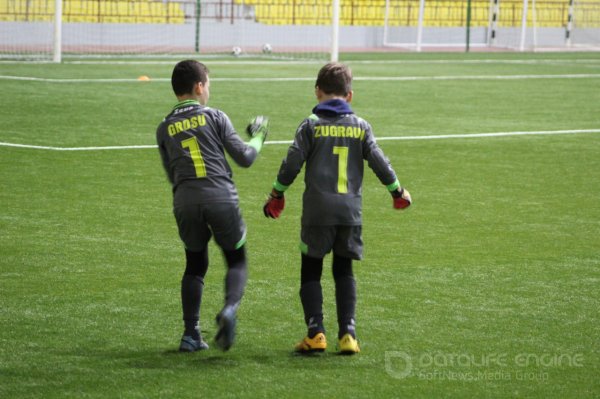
[(342, 153), (196, 155)]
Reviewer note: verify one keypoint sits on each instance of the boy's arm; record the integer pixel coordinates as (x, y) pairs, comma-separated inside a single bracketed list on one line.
[(382, 167), (164, 156), (288, 171), (294, 160), (244, 154)]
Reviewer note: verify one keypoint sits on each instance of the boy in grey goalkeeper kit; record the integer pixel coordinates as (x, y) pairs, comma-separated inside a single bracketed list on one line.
[(192, 140), (333, 142)]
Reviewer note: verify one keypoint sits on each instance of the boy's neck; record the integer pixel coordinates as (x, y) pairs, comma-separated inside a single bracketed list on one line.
[(322, 96), (187, 97), (329, 97)]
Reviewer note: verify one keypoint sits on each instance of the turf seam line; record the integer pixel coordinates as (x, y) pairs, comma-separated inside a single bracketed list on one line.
[(310, 79), (276, 142), (307, 62)]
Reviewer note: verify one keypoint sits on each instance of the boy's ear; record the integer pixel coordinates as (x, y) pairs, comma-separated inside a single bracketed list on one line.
[(349, 96), (198, 88), (318, 93)]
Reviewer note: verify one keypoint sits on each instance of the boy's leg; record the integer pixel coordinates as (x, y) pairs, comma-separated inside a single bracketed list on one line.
[(345, 295), (236, 277), (316, 242), (229, 230), (192, 285), (311, 294), (195, 235), (347, 246), (235, 282)]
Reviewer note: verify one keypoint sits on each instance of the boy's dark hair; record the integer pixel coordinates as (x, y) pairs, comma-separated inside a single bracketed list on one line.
[(186, 74), (335, 78)]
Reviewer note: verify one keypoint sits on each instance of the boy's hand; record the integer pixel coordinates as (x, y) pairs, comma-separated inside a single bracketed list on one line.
[(274, 205), (401, 197), (259, 125)]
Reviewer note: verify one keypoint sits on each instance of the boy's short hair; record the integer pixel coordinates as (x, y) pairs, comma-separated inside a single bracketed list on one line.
[(335, 78), (186, 74)]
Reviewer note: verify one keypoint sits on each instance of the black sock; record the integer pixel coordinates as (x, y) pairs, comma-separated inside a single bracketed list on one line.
[(345, 295), (237, 275), (311, 294), (192, 285), (191, 298)]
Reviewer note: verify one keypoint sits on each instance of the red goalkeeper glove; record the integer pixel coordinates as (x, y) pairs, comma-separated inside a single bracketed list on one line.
[(401, 198), (274, 205)]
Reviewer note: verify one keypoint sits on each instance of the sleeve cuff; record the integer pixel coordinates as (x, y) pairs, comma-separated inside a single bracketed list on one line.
[(279, 187), (256, 142), (393, 186)]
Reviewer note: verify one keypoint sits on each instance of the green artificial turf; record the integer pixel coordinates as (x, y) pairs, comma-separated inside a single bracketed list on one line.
[(486, 287)]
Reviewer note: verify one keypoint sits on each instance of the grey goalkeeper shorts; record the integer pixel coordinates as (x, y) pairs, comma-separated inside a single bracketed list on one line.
[(197, 223), (318, 241)]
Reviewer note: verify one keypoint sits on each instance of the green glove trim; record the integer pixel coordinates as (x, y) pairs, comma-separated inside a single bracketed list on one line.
[(279, 187), (257, 142), (393, 186)]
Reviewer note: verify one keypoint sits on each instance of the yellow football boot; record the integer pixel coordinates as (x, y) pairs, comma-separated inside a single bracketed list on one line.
[(318, 343), (348, 345)]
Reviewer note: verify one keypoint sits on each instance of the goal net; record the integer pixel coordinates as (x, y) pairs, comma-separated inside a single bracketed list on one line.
[(273, 28), (509, 24), (545, 24)]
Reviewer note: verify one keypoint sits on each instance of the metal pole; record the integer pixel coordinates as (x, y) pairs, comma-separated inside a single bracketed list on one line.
[(420, 26), (569, 25), (197, 40), (386, 22), (57, 45), (534, 23), (468, 25), (523, 26), (335, 30), (494, 14)]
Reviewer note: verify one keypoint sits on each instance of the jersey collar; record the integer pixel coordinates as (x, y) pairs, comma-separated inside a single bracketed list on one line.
[(186, 103), (333, 107)]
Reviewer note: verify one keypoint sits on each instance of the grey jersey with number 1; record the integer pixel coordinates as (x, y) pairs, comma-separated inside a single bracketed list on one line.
[(334, 143), (191, 141)]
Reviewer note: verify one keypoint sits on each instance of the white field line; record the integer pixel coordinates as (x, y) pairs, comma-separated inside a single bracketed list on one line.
[(51, 148), (308, 62), (287, 142), (305, 79)]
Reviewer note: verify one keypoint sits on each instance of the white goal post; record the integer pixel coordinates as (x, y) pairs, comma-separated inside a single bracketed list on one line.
[(387, 42), (57, 42)]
